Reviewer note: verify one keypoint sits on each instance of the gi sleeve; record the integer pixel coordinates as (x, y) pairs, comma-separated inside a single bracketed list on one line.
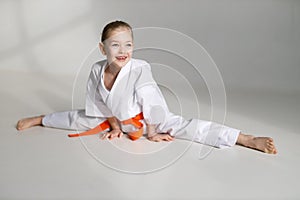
[(94, 104), (150, 98)]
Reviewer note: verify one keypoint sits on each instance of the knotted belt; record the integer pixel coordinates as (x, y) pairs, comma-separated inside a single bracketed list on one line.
[(135, 121)]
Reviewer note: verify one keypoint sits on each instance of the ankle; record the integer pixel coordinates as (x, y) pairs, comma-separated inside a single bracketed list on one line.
[(245, 140), (40, 119)]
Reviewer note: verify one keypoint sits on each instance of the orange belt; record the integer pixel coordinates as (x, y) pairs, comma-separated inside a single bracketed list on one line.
[(135, 121)]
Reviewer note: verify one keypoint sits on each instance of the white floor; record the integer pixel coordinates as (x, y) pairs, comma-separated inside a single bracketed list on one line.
[(43, 163)]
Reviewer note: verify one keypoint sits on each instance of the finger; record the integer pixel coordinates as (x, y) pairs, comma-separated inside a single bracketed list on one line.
[(108, 135), (112, 136), (166, 137), (120, 134), (104, 136), (170, 137)]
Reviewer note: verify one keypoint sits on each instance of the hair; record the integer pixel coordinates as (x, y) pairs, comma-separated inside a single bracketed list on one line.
[(110, 27)]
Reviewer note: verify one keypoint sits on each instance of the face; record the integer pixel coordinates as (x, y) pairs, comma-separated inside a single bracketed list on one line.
[(118, 47)]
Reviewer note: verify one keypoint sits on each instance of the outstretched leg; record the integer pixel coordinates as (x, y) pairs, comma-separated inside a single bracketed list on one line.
[(264, 144), (69, 120), (29, 122)]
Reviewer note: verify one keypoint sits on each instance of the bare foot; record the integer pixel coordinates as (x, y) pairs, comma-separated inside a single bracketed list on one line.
[(29, 122), (264, 144)]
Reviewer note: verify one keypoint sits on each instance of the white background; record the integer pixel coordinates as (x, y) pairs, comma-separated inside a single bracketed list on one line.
[(255, 43)]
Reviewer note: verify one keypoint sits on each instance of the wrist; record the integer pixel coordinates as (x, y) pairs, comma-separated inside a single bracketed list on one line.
[(151, 130), (150, 135)]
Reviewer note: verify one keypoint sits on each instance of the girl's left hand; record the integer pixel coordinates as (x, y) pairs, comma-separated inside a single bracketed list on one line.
[(161, 137)]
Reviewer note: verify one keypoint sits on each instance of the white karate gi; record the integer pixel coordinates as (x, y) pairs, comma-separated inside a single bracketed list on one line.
[(135, 91)]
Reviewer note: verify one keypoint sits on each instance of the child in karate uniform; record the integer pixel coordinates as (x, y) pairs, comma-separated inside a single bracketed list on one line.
[(123, 96)]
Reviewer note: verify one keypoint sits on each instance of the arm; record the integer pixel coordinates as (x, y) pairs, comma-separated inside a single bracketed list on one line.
[(114, 124), (150, 130), (154, 107), (116, 130)]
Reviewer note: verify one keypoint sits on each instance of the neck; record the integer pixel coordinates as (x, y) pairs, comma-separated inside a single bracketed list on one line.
[(112, 69)]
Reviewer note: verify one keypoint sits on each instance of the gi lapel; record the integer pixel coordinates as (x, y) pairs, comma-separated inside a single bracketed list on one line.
[(120, 92)]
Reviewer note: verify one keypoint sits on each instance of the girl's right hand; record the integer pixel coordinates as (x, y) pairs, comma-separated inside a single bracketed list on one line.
[(112, 134)]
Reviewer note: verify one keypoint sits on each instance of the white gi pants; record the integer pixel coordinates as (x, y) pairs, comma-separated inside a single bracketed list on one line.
[(205, 132)]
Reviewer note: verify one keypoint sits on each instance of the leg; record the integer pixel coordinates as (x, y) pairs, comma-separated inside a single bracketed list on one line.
[(220, 136), (70, 120), (29, 122), (264, 144), (206, 132)]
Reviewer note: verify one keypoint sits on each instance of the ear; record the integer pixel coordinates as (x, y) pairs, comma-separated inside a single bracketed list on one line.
[(102, 49)]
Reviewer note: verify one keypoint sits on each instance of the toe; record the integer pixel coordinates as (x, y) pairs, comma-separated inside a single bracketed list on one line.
[(266, 150), (270, 140), (272, 150), (19, 126), (270, 146)]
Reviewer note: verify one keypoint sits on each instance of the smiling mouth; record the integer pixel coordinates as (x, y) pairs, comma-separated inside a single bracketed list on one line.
[(121, 58)]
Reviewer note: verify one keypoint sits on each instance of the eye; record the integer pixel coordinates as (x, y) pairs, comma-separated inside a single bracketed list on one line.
[(129, 45), (115, 45)]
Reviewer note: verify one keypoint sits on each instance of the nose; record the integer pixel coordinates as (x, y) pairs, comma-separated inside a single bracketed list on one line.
[(122, 49)]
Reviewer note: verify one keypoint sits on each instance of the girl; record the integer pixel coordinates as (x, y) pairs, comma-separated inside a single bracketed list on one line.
[(123, 96)]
